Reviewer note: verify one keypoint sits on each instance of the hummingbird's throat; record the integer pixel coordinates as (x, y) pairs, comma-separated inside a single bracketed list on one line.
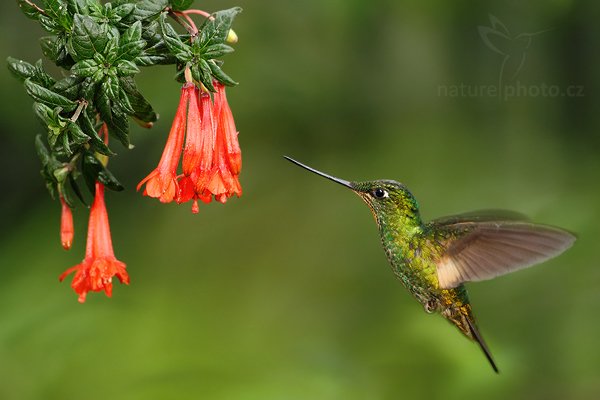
[(364, 198)]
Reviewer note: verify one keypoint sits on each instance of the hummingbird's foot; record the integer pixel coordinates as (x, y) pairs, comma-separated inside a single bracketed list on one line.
[(431, 306)]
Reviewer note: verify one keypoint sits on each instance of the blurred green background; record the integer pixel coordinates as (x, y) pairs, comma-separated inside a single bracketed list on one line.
[(285, 293)]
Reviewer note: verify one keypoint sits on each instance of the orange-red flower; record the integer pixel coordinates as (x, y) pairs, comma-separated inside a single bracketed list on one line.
[(162, 182), (96, 271), (212, 159), (227, 158), (66, 225)]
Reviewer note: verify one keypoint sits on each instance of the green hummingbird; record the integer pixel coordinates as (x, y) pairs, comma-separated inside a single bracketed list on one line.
[(433, 260)]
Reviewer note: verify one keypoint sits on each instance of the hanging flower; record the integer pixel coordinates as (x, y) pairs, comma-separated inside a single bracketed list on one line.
[(96, 271), (162, 182), (215, 171), (212, 159), (198, 152), (227, 159), (66, 225)]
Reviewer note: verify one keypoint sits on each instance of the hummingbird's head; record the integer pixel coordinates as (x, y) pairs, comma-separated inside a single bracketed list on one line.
[(390, 201)]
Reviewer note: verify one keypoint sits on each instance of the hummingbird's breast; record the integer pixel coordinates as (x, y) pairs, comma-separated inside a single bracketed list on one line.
[(412, 259)]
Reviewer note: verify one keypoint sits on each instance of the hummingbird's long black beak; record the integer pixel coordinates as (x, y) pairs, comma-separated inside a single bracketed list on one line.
[(324, 175)]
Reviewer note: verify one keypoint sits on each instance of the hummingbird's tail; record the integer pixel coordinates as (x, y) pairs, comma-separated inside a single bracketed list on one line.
[(461, 316), (479, 339)]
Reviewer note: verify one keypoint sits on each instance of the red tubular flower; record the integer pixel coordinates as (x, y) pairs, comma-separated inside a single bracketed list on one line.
[(198, 152), (162, 182), (66, 225), (227, 159), (212, 159), (96, 271), (226, 123)]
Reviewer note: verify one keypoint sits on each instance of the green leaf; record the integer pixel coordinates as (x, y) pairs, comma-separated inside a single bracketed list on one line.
[(180, 5), (55, 49), (147, 60), (76, 134), (29, 10), (131, 43), (216, 51), (50, 25), (46, 115), (42, 151), (126, 68), (142, 109), (88, 37), (48, 97), (20, 69), (76, 190), (115, 119), (124, 10), (220, 75), (23, 70), (58, 11), (215, 31), (182, 51), (201, 72), (85, 68), (69, 86), (49, 165), (147, 9), (93, 171), (87, 126)]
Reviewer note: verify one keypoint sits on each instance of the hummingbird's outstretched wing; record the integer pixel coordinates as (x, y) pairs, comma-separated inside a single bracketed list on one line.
[(479, 246)]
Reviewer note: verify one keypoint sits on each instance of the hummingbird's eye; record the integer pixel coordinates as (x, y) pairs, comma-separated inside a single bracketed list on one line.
[(380, 193)]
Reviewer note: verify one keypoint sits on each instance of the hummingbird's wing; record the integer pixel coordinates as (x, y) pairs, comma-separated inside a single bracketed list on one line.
[(478, 246)]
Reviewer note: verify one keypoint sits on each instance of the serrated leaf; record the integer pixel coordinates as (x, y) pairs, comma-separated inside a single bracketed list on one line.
[(59, 12), (20, 69), (220, 75), (45, 114), (76, 134), (131, 43), (41, 77), (29, 10), (88, 37), (215, 30), (216, 51), (49, 24), (85, 68), (69, 86), (126, 68), (134, 33), (111, 50), (110, 87), (93, 171), (142, 109), (76, 190), (54, 48), (48, 96), (201, 72), (118, 127), (124, 10), (42, 151), (87, 126), (180, 5), (148, 60), (149, 8), (116, 120), (182, 51)]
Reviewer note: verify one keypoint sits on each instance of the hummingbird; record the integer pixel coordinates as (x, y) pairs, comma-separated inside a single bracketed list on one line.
[(433, 260)]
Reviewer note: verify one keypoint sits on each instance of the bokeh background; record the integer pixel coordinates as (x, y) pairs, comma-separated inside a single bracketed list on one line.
[(285, 293)]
